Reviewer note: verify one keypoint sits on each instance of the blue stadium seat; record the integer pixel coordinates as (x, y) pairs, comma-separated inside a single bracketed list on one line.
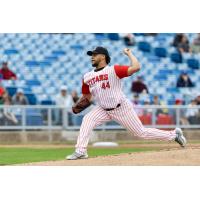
[(176, 57), (77, 47), (160, 77), (160, 38), (33, 83), (189, 71), (11, 51), (44, 63), (177, 72), (113, 36), (144, 46), (173, 90), (47, 102), (31, 63), (139, 34), (171, 101), (101, 36), (153, 59), (193, 63), (11, 90), (27, 89), (160, 52), (51, 58), (58, 53), (165, 71), (31, 98)]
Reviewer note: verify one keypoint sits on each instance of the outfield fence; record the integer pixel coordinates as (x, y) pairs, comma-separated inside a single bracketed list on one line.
[(51, 117)]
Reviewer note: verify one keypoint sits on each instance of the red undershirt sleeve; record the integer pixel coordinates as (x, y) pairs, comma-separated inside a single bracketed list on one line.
[(85, 88), (121, 71)]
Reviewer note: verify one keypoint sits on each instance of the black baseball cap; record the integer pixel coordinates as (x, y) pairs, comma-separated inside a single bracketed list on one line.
[(100, 50)]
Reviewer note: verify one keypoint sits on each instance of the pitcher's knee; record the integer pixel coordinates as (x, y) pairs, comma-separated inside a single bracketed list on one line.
[(87, 120), (140, 133)]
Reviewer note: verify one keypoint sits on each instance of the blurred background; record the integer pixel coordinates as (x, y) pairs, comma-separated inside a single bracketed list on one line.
[(41, 78)]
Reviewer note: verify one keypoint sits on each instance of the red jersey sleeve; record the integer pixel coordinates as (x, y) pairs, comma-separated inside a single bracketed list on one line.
[(121, 71), (85, 88), (13, 74)]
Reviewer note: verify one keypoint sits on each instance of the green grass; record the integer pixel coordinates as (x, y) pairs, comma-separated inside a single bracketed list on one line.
[(9, 156)]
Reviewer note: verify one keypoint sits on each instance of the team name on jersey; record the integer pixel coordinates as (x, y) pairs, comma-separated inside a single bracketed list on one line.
[(96, 79)]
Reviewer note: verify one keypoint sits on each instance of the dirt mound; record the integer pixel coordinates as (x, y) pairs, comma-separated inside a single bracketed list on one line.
[(187, 156)]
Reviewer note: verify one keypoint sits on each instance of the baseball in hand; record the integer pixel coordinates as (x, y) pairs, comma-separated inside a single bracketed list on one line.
[(127, 51)]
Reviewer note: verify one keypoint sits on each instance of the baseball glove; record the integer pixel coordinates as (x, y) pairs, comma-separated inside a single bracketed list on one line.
[(81, 105)]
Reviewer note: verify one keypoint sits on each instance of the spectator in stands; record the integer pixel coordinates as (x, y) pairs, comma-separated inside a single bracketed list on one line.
[(183, 118), (2, 90), (136, 99), (8, 112), (138, 86), (196, 44), (1, 77), (6, 73), (137, 105), (1, 100), (177, 39), (147, 110), (192, 114), (19, 98), (150, 34), (6, 96), (64, 100), (128, 38), (198, 100), (139, 101), (144, 96), (184, 46), (75, 96), (156, 101), (184, 81)]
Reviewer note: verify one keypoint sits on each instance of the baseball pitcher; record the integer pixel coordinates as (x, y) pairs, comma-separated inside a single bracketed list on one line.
[(103, 84)]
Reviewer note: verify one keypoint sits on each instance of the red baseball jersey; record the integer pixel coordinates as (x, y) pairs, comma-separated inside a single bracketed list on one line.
[(105, 85)]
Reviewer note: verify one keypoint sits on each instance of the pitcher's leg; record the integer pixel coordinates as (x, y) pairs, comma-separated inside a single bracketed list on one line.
[(94, 118), (129, 119)]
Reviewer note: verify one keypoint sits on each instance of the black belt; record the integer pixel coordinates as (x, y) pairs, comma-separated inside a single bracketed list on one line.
[(109, 109)]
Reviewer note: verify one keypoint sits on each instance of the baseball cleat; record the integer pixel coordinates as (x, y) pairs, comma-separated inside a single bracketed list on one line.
[(76, 156), (180, 137)]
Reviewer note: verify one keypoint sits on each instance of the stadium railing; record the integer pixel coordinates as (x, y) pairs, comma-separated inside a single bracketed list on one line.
[(51, 117)]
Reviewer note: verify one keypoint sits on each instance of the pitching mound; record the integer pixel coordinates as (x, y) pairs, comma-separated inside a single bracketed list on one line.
[(187, 156)]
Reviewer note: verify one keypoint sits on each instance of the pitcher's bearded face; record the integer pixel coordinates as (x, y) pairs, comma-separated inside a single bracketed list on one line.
[(96, 59)]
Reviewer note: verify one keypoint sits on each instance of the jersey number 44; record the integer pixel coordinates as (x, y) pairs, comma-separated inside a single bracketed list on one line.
[(105, 85)]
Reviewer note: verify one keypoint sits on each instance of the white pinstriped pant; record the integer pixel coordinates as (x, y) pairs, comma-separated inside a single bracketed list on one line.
[(124, 115)]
